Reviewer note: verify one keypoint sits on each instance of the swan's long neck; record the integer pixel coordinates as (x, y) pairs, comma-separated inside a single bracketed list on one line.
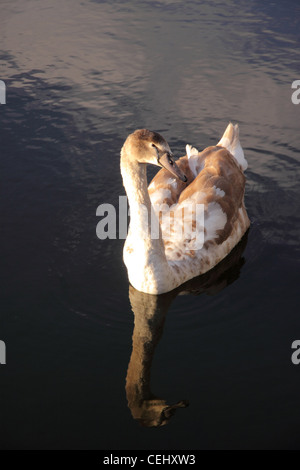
[(135, 182), (147, 262)]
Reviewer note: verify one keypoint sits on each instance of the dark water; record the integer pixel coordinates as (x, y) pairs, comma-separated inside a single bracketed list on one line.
[(80, 75)]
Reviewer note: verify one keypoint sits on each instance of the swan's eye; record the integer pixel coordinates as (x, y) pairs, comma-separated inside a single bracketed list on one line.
[(157, 152)]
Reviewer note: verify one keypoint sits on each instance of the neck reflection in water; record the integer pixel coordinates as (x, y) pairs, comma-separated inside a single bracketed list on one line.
[(149, 318)]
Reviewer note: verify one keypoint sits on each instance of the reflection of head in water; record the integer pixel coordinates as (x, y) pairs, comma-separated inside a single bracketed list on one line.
[(149, 317), (157, 413)]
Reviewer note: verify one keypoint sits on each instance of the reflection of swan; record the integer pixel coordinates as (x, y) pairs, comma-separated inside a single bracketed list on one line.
[(213, 180), (149, 317)]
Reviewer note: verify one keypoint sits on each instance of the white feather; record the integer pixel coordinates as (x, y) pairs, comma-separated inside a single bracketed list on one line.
[(231, 142)]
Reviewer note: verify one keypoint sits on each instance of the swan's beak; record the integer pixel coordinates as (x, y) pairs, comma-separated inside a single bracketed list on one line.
[(167, 161)]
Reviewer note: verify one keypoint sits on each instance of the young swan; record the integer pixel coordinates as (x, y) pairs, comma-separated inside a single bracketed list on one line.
[(157, 259)]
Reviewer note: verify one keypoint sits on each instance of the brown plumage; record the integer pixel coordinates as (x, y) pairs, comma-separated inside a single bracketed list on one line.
[(190, 243)]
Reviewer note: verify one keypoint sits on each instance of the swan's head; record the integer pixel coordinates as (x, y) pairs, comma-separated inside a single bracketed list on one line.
[(145, 146)]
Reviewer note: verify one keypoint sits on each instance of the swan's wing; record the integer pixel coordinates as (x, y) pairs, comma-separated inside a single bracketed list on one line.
[(220, 187)]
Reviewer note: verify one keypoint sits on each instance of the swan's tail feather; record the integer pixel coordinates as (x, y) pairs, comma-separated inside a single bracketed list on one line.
[(191, 151), (231, 142)]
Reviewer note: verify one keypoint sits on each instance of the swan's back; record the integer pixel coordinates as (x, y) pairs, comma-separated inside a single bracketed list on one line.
[(216, 180)]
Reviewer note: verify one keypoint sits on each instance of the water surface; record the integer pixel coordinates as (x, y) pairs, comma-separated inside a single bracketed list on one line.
[(81, 75)]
